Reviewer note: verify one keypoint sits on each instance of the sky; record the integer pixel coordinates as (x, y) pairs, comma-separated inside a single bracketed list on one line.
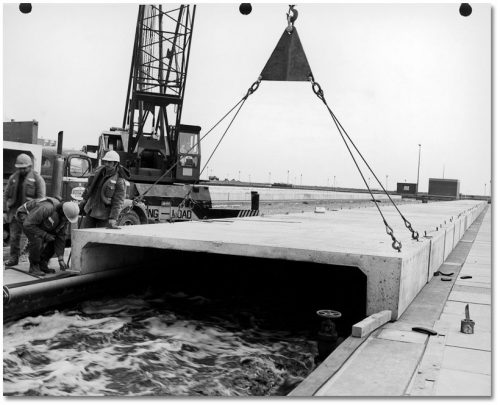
[(396, 76)]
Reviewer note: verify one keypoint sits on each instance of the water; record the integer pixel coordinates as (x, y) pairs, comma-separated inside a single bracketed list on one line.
[(150, 345)]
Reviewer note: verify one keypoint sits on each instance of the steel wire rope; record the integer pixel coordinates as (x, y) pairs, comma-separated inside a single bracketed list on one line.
[(397, 245), (250, 91), (319, 92)]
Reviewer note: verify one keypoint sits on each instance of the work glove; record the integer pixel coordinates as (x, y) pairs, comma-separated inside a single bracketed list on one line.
[(81, 205), (49, 238), (112, 224), (62, 265)]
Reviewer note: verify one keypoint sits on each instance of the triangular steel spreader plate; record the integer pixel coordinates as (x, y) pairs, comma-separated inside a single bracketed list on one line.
[(288, 62)]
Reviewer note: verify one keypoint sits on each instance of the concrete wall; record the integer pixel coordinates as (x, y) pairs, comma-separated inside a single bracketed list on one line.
[(436, 253), (227, 193), (414, 275)]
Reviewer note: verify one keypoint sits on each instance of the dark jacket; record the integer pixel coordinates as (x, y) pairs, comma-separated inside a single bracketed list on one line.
[(33, 187), (105, 193), (44, 216)]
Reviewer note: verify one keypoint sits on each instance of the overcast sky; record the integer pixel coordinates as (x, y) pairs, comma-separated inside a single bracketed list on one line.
[(396, 75)]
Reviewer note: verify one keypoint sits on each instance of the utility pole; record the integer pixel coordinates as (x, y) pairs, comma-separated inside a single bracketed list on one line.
[(418, 170), (239, 174), (300, 178), (287, 176), (386, 177), (484, 188), (443, 171)]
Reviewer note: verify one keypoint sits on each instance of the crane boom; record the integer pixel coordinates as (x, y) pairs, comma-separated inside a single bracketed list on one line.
[(158, 75)]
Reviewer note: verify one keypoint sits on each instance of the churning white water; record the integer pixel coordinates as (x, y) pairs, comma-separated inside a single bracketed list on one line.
[(144, 345)]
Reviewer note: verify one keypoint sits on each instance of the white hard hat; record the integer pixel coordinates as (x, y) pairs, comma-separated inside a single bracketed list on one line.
[(111, 156), (71, 210), (22, 161)]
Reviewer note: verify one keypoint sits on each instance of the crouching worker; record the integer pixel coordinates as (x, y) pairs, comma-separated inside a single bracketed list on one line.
[(45, 223), (105, 193)]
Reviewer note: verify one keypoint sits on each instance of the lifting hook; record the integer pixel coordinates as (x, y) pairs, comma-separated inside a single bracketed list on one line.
[(291, 16)]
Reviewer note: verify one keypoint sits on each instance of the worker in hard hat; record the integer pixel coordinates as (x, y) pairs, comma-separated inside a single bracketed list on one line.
[(105, 193), (24, 185), (45, 223)]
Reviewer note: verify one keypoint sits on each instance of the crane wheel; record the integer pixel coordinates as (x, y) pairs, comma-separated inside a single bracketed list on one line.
[(130, 218)]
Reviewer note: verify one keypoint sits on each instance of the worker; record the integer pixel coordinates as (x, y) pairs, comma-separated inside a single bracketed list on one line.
[(24, 185), (45, 223), (105, 193)]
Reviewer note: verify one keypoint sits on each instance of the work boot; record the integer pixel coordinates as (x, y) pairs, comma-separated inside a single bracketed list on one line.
[(35, 270), (14, 260), (44, 266)]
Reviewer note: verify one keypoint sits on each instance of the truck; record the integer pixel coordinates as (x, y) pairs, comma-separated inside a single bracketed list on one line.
[(162, 154), (65, 172)]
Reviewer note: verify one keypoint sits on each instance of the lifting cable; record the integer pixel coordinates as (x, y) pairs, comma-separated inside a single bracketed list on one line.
[(238, 105), (343, 133), (250, 91), (255, 85)]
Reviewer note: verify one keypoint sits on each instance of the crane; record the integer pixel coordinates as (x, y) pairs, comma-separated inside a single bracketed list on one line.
[(162, 154)]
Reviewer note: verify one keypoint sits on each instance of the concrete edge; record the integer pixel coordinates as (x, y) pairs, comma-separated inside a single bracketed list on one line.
[(334, 362)]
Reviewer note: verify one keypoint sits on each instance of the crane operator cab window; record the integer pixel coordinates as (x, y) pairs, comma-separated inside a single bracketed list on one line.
[(188, 153)]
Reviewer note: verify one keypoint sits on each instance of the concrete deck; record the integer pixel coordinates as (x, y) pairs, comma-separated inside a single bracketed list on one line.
[(396, 361), (20, 272), (354, 238)]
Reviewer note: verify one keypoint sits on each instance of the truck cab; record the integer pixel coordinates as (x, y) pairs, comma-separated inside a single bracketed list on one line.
[(74, 169)]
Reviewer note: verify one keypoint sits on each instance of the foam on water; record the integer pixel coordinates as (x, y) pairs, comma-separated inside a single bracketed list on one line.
[(140, 346)]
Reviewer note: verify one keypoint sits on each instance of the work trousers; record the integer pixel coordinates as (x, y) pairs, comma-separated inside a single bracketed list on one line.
[(91, 222), (16, 230), (39, 250)]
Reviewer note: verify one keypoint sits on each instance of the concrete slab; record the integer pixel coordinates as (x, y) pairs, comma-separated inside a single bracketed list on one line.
[(427, 373), (353, 238), (381, 368), (11, 276), (454, 307), (19, 273), (484, 282), (466, 297), (482, 323), (402, 336), (472, 361), (462, 383), (478, 341)]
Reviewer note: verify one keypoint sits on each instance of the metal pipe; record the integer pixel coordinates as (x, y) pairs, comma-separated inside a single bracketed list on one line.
[(418, 170), (40, 295), (59, 142), (50, 287), (57, 176)]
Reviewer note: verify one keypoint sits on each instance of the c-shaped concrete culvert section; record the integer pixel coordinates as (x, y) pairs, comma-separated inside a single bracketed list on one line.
[(343, 241)]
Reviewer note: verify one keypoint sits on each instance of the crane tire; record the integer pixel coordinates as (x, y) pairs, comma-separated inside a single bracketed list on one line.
[(130, 218)]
